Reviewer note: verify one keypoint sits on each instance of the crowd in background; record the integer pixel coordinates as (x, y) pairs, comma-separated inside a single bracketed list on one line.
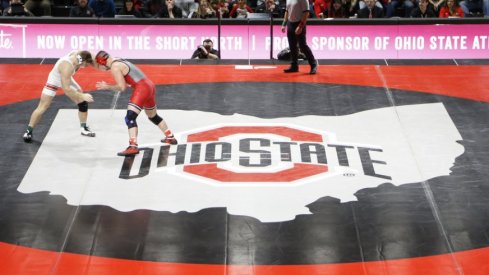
[(243, 8)]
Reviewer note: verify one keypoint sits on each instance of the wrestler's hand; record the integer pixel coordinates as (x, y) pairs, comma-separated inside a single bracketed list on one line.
[(87, 97)]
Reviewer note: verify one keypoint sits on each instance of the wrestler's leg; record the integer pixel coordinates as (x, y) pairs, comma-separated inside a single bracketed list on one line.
[(160, 122), (82, 111), (132, 129), (132, 126), (156, 119), (44, 103)]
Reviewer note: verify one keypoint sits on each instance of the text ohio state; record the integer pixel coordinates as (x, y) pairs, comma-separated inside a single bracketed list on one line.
[(256, 153)]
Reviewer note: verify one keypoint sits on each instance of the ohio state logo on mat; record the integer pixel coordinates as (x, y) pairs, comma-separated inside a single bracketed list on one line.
[(258, 154)]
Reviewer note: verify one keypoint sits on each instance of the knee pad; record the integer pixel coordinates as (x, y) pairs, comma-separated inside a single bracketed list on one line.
[(156, 119), (83, 107), (131, 119)]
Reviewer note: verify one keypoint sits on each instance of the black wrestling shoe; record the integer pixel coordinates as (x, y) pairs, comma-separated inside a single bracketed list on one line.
[(292, 69), (314, 68), (27, 137)]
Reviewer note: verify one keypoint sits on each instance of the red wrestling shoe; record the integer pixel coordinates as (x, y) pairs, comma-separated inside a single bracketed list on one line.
[(170, 140), (131, 150)]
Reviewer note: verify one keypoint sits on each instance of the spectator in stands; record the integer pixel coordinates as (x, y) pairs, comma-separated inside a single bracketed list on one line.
[(371, 10), (169, 10), (240, 10), (311, 9), (275, 7), (392, 5), (279, 9), (261, 6), (16, 8), (102, 8), (229, 4), (138, 4), (337, 9), (436, 5), (424, 10), (205, 10), (39, 7), (360, 4), (188, 7), (3, 5), (152, 9), (350, 7), (221, 8), (129, 8), (321, 8), (451, 9), (81, 9), (470, 7), (206, 51)]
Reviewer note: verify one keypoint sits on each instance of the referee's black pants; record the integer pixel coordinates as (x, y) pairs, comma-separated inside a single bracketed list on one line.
[(298, 40)]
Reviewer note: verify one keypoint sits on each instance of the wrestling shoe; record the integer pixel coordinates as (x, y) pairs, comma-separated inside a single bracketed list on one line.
[(170, 140), (27, 137), (131, 150), (85, 131)]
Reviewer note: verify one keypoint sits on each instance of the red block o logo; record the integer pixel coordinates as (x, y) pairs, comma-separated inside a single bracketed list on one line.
[(298, 171)]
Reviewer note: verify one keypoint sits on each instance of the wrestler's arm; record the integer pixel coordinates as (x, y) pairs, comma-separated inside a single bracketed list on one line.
[(120, 82), (66, 72)]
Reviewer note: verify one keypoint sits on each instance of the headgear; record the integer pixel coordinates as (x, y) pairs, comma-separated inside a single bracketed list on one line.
[(102, 57)]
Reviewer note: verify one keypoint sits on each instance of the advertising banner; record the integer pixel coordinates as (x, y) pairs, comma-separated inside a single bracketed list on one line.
[(440, 41)]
